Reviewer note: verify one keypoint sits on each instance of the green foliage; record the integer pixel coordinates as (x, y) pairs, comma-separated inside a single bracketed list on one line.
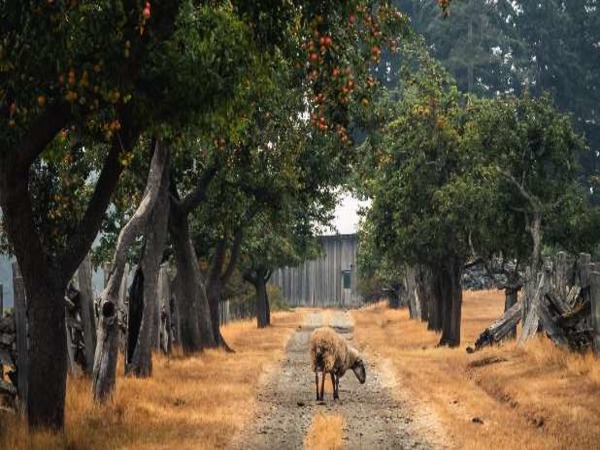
[(195, 77), (501, 47), (451, 175), (66, 52), (528, 144), (416, 216)]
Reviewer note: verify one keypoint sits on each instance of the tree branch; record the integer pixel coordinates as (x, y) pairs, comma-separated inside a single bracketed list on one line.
[(138, 221), (81, 239), (235, 253), (249, 278), (40, 134), (214, 271), (194, 198), (533, 201)]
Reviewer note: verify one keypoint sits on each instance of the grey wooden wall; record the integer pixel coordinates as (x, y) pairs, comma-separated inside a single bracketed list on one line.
[(321, 282)]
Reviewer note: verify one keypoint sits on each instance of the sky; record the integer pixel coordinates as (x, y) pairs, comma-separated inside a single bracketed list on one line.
[(346, 217)]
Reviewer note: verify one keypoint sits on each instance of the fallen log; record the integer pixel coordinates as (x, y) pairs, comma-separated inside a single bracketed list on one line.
[(500, 329)]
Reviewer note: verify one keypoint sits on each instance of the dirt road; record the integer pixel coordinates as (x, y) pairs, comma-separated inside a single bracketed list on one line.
[(373, 418)]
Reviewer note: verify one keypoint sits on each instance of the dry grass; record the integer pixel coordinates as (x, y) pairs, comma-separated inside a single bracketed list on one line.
[(325, 432), (535, 397), (197, 402)]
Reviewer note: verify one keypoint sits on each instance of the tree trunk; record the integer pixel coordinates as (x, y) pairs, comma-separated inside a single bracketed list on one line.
[(88, 318), (214, 297), (47, 270), (166, 328), (394, 298), (422, 280), (140, 363), (107, 348), (436, 301), (513, 285), (217, 278), (195, 324), (262, 302), (258, 278), (47, 353), (411, 288), (174, 309), (213, 292), (267, 305), (536, 256), (452, 297), (134, 314), (107, 351), (44, 288)]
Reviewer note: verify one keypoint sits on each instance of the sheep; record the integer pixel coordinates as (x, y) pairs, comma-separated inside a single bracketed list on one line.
[(330, 353)]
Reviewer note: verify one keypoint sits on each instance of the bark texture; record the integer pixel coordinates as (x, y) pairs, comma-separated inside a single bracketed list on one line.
[(424, 285), (258, 278), (134, 314), (140, 363), (195, 326), (451, 291), (108, 331), (88, 318), (192, 312), (217, 277), (45, 385)]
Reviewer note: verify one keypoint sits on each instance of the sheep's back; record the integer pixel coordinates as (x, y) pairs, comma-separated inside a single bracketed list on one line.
[(333, 352)]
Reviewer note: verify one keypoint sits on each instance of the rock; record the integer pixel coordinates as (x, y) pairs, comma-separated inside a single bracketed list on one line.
[(477, 420)]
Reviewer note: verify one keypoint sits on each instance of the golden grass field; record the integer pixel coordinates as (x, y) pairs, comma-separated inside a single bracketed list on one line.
[(541, 397), (325, 432), (197, 402)]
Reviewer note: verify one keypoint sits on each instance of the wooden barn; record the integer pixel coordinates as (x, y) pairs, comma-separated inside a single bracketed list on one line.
[(327, 281)]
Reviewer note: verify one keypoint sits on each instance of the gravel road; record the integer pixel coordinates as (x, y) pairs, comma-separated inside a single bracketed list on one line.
[(373, 418)]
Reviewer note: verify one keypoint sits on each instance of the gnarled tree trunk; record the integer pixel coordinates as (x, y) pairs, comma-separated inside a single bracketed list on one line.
[(135, 314), (195, 324), (88, 317), (258, 278), (139, 361), (217, 278), (107, 347)]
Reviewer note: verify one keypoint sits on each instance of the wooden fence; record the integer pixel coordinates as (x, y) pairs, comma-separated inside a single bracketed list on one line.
[(563, 300)]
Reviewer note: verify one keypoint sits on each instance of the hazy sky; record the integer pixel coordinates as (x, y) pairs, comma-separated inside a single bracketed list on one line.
[(346, 217)]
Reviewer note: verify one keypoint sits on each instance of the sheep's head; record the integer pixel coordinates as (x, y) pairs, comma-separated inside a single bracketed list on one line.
[(359, 370)]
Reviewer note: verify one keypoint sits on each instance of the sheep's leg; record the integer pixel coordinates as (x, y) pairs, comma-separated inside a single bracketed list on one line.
[(334, 385), (317, 384), (337, 386), (323, 386)]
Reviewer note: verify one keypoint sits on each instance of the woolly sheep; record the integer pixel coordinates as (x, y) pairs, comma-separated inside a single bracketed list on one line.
[(330, 353)]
